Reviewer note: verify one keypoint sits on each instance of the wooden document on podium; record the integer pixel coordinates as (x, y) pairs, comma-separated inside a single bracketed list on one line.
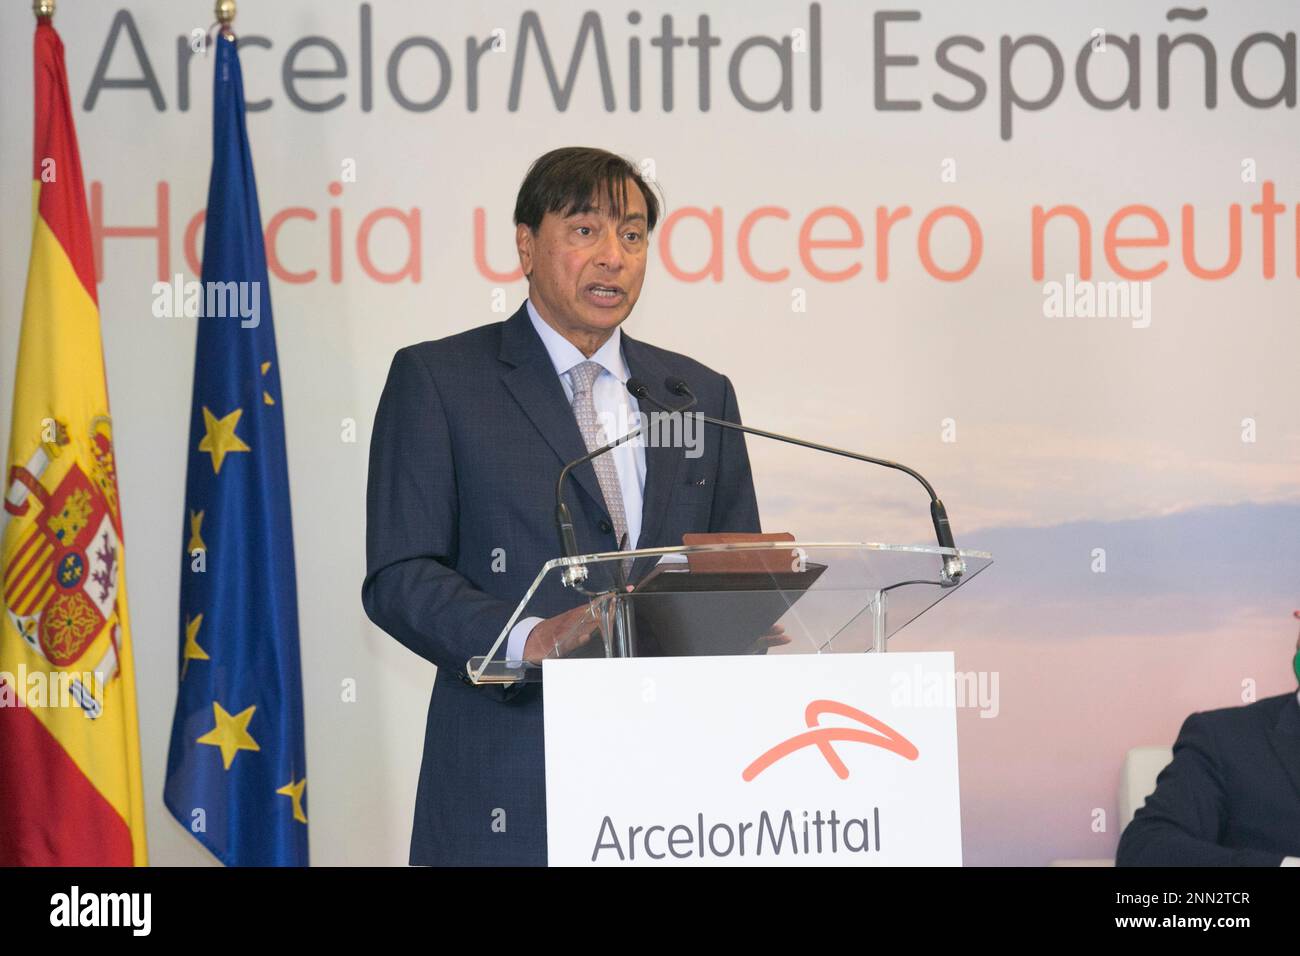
[(719, 603)]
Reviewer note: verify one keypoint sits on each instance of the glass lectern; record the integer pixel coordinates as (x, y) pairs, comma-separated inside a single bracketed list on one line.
[(764, 597)]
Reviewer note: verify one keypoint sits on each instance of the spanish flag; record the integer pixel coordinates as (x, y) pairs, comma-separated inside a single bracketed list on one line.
[(70, 789)]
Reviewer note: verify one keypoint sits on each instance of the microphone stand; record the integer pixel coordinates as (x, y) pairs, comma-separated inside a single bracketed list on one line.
[(953, 566)]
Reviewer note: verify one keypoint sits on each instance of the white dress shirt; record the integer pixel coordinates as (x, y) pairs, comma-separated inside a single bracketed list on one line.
[(616, 410)]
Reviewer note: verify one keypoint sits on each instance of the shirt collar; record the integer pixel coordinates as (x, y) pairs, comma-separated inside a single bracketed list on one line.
[(565, 355)]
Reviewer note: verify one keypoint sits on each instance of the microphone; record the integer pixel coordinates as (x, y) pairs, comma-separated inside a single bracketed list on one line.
[(640, 390), (575, 574), (953, 566)]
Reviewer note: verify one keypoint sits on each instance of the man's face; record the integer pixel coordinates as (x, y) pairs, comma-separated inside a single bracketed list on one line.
[(586, 269)]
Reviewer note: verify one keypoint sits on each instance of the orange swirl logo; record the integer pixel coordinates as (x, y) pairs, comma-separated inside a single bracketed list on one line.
[(822, 738)]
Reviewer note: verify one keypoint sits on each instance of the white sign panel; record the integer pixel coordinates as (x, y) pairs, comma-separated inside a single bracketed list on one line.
[(796, 760)]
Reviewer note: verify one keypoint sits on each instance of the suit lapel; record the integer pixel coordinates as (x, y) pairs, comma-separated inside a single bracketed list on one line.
[(661, 462), (1285, 738), (532, 381), (536, 387)]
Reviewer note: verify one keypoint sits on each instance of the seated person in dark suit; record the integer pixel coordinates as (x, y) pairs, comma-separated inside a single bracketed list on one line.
[(1231, 795)]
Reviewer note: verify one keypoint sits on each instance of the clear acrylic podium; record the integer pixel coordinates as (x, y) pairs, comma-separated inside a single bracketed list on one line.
[(724, 599)]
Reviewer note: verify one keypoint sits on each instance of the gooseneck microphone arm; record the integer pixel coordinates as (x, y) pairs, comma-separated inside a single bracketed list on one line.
[(953, 567), (564, 519)]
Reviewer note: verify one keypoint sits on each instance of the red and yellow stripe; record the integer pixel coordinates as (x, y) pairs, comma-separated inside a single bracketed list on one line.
[(70, 787)]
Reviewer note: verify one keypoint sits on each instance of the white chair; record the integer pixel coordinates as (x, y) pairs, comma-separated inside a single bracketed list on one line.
[(1137, 780)]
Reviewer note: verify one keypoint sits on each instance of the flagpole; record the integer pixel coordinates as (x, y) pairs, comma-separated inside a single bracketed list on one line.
[(45, 8), (225, 13)]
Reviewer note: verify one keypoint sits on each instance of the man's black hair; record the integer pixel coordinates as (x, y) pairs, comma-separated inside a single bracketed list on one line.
[(576, 178)]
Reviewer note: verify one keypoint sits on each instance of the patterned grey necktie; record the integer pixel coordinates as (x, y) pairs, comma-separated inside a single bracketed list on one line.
[(582, 377)]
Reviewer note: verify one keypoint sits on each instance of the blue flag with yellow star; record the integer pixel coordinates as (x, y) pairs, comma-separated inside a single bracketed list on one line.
[(237, 769)]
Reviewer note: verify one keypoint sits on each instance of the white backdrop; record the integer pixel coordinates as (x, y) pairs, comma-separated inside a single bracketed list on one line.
[(1070, 434)]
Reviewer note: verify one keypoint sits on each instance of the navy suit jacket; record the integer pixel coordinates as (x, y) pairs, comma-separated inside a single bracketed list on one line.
[(1231, 795), (469, 439)]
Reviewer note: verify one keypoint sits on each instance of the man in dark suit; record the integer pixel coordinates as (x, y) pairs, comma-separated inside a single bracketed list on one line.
[(469, 439), (1231, 795)]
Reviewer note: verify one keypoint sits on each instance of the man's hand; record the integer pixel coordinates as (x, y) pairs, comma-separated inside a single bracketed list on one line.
[(773, 638), (558, 636), (561, 635)]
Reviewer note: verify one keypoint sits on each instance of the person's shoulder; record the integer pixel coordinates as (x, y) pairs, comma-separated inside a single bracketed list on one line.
[(1246, 716), (693, 371), (481, 339), (459, 350)]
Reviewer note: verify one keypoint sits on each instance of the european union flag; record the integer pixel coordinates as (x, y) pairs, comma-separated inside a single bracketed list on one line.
[(237, 768)]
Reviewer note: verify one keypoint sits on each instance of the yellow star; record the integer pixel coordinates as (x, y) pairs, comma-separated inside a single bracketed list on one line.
[(196, 533), (230, 734), (221, 439), (294, 792), (192, 650), (266, 396)]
